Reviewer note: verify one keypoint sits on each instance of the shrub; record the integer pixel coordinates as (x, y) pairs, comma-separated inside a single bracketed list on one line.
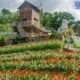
[(8, 66), (73, 78), (79, 70), (2, 42)]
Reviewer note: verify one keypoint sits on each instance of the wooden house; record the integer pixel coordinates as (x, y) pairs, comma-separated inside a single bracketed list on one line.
[(29, 23)]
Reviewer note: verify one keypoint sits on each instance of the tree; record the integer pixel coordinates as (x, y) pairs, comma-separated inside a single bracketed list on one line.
[(16, 16), (58, 16), (46, 19), (54, 20), (6, 20), (5, 11)]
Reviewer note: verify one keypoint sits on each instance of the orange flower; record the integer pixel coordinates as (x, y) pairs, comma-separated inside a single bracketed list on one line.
[(78, 77), (69, 54), (30, 70), (15, 72), (50, 60), (1, 73), (23, 73), (60, 75), (53, 60), (52, 75)]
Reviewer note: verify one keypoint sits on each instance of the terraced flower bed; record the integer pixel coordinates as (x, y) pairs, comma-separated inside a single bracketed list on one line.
[(48, 62), (42, 64), (51, 45)]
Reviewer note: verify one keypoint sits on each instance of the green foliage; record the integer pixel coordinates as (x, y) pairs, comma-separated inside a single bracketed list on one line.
[(73, 78), (24, 67), (20, 77), (38, 62), (32, 55), (5, 12), (79, 70), (31, 77), (37, 65), (54, 20), (8, 17), (76, 45), (6, 20), (55, 35), (53, 45), (2, 43), (5, 28), (9, 66), (46, 19)]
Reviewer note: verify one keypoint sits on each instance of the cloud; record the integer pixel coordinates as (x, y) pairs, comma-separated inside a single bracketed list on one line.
[(48, 5)]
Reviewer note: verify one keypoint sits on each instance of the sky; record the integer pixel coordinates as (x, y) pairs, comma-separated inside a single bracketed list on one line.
[(48, 5)]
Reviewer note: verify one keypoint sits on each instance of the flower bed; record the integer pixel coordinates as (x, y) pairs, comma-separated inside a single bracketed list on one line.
[(52, 45), (43, 64)]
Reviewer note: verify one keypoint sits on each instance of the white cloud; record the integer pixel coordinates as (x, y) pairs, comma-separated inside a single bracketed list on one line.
[(49, 5), (20, 0), (60, 5), (68, 5)]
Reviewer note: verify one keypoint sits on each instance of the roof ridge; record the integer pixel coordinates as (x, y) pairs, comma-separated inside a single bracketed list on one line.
[(29, 4)]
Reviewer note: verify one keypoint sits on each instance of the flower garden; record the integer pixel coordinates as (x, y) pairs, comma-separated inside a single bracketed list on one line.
[(39, 61)]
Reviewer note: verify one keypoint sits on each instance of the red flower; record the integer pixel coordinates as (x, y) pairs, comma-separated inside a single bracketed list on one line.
[(78, 77), (22, 73)]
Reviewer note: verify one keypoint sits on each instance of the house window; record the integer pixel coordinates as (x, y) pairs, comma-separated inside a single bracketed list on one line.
[(35, 19), (24, 19)]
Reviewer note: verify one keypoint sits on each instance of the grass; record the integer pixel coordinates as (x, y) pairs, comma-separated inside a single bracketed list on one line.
[(39, 62)]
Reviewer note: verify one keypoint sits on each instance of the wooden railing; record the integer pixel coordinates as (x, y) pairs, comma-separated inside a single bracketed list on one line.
[(36, 24), (25, 23)]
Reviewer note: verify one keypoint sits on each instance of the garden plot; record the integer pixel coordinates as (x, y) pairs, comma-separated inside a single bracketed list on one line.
[(40, 65)]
